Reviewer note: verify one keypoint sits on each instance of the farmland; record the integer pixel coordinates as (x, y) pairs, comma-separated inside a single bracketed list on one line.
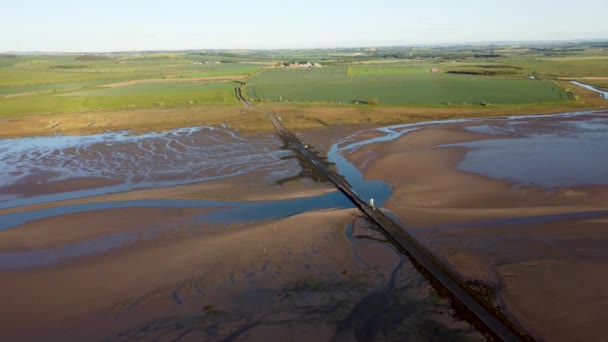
[(36, 70), (134, 96), (383, 85), (562, 67), (399, 86), (73, 83), (314, 171)]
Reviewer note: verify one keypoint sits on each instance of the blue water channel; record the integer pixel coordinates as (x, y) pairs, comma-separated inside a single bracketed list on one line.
[(577, 151), (557, 154), (555, 150), (548, 150), (133, 161), (602, 93), (227, 211)]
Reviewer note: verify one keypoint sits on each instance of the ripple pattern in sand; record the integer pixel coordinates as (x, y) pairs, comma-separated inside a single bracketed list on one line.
[(181, 155)]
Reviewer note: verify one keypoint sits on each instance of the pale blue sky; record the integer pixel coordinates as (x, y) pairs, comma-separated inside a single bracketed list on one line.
[(111, 25)]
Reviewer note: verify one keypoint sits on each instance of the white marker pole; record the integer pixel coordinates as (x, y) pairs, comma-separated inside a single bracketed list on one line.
[(371, 203)]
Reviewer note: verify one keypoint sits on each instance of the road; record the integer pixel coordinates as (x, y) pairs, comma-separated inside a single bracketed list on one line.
[(500, 328)]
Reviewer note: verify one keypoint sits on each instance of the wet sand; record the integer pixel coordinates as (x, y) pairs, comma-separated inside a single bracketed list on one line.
[(264, 188), (173, 266), (317, 275), (40, 185), (154, 272), (546, 270), (46, 165)]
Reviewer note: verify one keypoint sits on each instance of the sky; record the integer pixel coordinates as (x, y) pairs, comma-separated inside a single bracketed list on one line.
[(130, 25)]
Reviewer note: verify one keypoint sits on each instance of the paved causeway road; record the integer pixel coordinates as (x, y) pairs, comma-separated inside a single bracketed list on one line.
[(501, 330)]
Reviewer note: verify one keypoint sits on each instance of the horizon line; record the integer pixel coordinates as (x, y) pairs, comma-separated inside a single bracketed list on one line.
[(431, 45)]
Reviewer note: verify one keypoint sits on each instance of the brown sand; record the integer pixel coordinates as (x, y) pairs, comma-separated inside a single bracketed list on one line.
[(263, 279), (63, 230), (142, 120), (251, 187), (40, 185), (428, 190), (549, 275), (112, 284), (305, 277)]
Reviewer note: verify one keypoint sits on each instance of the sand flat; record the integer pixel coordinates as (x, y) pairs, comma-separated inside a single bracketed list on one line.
[(312, 273), (252, 187), (315, 275), (484, 229), (69, 290)]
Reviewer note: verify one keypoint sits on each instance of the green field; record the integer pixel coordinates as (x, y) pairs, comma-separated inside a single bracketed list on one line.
[(404, 86), (75, 83), (20, 71), (35, 88), (166, 94), (390, 70), (577, 66), (392, 76)]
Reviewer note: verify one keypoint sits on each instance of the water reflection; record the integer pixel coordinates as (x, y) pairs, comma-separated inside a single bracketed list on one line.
[(228, 211), (175, 157), (550, 153)]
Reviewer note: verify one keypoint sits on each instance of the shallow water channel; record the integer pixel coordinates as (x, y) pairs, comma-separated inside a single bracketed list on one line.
[(549, 151), (602, 93), (388, 300)]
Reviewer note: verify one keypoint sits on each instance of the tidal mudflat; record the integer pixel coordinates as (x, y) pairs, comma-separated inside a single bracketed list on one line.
[(519, 204), (196, 234)]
